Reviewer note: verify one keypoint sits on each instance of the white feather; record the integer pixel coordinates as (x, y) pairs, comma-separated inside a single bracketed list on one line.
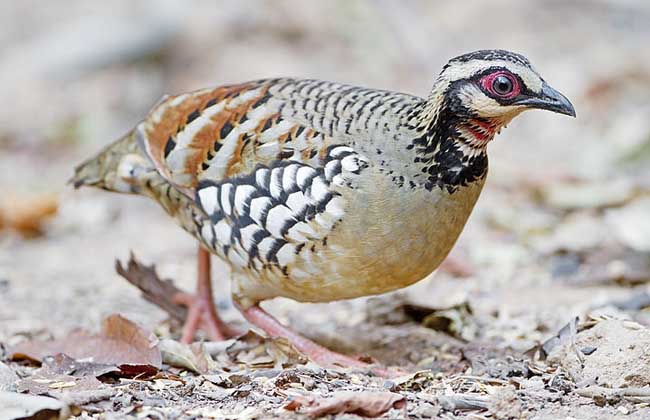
[(223, 230), (242, 193), (276, 219), (265, 245), (286, 255), (225, 198), (260, 175), (318, 189), (335, 208), (304, 173), (300, 232), (289, 176), (257, 206), (209, 199), (329, 169), (297, 202), (247, 234), (335, 152), (350, 163), (276, 183)]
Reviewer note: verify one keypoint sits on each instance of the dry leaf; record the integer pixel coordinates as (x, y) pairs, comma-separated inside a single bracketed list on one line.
[(363, 403), (63, 364), (15, 406), (457, 320), (257, 351), (46, 382), (120, 342), (192, 357)]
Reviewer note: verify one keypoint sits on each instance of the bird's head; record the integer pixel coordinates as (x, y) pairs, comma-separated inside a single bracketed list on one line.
[(481, 92)]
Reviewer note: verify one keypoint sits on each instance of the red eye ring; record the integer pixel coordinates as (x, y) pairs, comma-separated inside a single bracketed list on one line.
[(496, 84)]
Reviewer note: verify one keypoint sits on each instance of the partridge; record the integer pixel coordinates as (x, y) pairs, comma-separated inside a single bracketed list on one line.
[(319, 191)]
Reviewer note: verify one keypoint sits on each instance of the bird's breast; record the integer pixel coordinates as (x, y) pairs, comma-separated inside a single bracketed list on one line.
[(388, 238)]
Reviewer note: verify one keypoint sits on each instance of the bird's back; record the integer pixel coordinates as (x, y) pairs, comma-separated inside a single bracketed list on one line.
[(215, 134)]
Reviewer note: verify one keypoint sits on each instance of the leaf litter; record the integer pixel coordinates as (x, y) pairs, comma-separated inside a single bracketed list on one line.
[(122, 343)]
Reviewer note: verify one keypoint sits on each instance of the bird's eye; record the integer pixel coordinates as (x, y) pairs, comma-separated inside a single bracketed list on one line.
[(502, 85)]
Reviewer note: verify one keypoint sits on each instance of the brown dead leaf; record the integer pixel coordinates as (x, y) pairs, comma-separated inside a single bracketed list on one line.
[(457, 320), (27, 214), (192, 357), (257, 351), (61, 373), (64, 364), (47, 383), (120, 343), (363, 403), (21, 406)]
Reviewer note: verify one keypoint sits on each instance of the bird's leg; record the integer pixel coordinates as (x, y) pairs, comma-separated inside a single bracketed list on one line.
[(316, 353), (202, 313)]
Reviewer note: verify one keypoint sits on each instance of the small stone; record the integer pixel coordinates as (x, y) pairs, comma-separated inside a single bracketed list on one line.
[(390, 385), (588, 350)]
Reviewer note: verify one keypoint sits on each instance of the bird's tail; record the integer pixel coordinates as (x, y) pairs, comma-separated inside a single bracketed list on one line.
[(123, 167), (118, 167)]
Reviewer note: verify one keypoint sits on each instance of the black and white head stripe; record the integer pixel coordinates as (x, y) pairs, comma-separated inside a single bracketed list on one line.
[(475, 63), (267, 217), (492, 55)]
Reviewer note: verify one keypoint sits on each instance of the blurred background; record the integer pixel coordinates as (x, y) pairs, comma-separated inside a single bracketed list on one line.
[(562, 228)]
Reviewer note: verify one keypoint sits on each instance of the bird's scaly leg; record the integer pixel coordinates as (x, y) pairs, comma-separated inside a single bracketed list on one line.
[(202, 313), (315, 352)]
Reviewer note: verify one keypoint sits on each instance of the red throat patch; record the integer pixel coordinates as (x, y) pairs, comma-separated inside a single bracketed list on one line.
[(481, 131)]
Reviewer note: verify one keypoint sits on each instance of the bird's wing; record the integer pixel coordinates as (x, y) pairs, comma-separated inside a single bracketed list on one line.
[(267, 161), (277, 216)]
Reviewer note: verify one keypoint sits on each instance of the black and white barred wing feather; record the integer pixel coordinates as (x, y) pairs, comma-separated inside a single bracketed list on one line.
[(279, 216)]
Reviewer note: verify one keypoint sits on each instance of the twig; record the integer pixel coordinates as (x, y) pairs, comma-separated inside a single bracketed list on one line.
[(157, 291), (598, 391), (463, 402), (481, 379)]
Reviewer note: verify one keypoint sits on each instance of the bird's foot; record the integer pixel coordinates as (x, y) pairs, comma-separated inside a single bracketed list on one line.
[(202, 315), (315, 352)]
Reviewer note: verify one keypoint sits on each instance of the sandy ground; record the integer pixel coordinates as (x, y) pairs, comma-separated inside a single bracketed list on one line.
[(560, 231)]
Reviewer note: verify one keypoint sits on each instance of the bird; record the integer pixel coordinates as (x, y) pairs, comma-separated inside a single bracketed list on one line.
[(321, 191)]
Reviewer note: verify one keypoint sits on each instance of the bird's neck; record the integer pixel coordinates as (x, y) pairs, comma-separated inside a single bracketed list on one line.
[(450, 143)]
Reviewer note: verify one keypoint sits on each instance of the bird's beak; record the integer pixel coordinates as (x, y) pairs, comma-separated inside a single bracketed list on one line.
[(551, 100)]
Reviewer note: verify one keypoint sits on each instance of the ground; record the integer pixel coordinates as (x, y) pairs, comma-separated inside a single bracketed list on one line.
[(561, 230)]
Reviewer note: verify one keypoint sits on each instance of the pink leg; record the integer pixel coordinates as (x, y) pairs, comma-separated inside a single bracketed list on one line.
[(316, 353), (202, 313)]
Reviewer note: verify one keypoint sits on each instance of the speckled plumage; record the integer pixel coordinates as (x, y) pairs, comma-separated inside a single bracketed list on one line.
[(315, 190)]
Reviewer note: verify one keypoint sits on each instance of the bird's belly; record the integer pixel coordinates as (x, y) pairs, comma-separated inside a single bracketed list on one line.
[(386, 242)]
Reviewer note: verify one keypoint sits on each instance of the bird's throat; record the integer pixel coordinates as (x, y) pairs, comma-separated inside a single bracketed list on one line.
[(477, 132), (451, 150)]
